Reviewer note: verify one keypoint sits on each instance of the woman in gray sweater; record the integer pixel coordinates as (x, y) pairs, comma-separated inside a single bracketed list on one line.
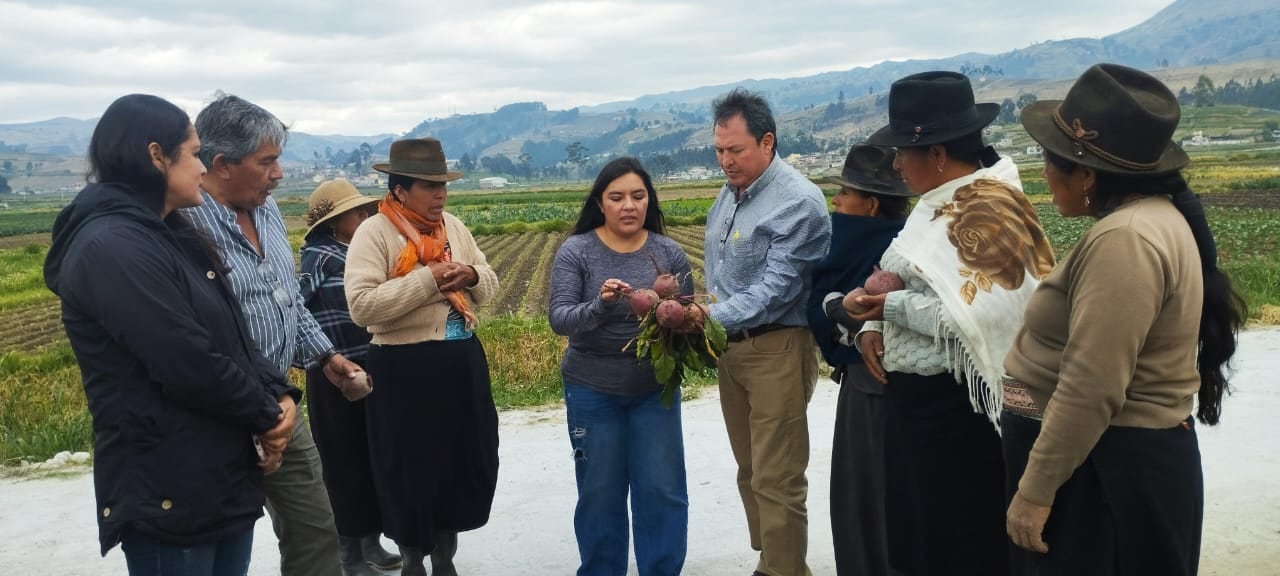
[(623, 438)]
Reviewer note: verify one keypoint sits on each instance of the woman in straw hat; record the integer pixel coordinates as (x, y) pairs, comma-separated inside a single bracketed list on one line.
[(1120, 341), (968, 258), (870, 208), (337, 413), (414, 276)]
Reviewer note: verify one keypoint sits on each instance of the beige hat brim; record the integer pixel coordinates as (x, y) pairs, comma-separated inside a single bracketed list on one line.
[(342, 207)]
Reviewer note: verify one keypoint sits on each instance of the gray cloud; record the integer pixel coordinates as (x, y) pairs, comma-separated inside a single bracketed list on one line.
[(385, 65)]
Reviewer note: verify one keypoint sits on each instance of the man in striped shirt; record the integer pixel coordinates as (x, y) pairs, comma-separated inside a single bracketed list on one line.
[(240, 146)]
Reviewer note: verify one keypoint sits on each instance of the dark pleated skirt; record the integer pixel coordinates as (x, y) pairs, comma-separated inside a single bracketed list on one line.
[(1134, 507), (857, 478), (944, 481), (433, 438), (339, 430)]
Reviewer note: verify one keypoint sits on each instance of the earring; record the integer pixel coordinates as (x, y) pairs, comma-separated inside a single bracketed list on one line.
[(939, 168)]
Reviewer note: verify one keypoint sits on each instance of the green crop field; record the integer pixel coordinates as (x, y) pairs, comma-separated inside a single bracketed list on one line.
[(42, 408)]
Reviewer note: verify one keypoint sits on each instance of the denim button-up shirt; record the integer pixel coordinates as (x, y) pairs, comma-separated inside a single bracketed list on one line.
[(761, 246)]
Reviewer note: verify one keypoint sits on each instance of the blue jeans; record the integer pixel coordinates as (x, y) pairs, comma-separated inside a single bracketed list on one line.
[(621, 443), (147, 556)]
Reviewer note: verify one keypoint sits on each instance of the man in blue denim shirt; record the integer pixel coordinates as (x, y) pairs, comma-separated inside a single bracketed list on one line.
[(767, 229)]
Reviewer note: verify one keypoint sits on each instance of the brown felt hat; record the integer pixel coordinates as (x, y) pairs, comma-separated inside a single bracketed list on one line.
[(870, 169), (1114, 119), (421, 158), (332, 199)]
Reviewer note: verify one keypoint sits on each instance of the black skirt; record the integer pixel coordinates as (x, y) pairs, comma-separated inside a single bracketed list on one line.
[(338, 427), (1135, 506), (857, 477), (944, 481), (433, 438)]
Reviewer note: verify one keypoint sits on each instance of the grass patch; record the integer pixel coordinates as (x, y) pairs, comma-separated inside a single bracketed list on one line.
[(43, 409), (42, 406), (22, 276)]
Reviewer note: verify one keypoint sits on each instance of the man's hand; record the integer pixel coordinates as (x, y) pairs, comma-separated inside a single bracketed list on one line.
[(872, 346), (339, 370), (276, 439)]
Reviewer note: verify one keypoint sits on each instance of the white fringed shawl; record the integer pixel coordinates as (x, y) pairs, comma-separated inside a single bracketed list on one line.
[(996, 253)]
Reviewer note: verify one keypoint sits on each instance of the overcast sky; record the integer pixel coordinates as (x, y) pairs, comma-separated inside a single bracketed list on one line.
[(382, 66)]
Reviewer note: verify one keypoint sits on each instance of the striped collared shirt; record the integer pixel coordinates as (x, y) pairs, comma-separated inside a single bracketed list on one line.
[(280, 324), (761, 248)]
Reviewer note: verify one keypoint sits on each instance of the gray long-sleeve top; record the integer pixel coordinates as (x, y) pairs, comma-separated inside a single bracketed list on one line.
[(599, 330)]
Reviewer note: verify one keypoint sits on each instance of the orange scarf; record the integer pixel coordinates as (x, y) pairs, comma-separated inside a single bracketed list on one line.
[(426, 244)]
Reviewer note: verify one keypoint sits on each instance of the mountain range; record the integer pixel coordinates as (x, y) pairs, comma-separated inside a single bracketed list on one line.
[(1221, 38)]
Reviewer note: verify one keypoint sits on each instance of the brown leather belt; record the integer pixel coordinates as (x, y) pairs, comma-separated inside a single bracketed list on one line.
[(740, 335)]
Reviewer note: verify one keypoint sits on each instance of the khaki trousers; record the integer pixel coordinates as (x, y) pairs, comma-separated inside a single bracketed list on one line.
[(765, 386)]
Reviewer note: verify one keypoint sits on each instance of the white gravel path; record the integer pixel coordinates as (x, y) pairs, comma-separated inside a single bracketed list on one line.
[(47, 524)]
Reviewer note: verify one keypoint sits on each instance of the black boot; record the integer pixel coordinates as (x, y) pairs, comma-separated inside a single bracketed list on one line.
[(376, 555), (442, 556), (412, 565), (352, 558)]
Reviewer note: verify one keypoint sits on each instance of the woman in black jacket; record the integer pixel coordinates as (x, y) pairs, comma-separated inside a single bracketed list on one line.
[(178, 393), (870, 208)]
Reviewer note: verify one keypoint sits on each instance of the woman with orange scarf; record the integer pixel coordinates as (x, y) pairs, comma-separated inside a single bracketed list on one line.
[(413, 277)]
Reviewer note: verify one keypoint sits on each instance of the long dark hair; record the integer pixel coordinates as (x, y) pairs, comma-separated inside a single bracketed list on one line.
[(1224, 311), (592, 217), (119, 154), (118, 149)]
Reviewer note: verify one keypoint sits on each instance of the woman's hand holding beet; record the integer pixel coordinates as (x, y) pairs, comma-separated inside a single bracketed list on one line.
[(613, 289)]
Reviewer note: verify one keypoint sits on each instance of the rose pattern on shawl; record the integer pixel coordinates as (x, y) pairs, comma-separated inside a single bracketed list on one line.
[(997, 236)]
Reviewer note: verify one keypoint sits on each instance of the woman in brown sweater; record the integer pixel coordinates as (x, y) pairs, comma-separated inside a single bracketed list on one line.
[(1103, 464), (413, 276)]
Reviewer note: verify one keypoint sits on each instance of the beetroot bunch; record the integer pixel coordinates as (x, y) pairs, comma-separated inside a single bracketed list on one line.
[(675, 332)]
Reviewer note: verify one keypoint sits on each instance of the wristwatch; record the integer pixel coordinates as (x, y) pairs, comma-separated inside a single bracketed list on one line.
[(323, 359)]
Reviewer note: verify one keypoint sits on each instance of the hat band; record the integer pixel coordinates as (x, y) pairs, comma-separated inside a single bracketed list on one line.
[(917, 129), (435, 168), (1081, 141)]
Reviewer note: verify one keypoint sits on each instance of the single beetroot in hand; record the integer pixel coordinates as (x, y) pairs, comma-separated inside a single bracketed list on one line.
[(670, 314), (667, 285), (883, 282), (642, 301)]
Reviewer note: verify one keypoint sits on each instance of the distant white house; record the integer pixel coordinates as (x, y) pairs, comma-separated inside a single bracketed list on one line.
[(1033, 149), (1199, 139), (493, 182)]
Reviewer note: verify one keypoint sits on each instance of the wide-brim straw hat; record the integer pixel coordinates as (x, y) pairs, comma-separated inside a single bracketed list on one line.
[(1114, 119), (332, 199), (932, 108), (870, 169), (420, 158)]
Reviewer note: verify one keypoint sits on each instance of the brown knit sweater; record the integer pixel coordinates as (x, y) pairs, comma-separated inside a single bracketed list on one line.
[(1110, 338), (408, 309)]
